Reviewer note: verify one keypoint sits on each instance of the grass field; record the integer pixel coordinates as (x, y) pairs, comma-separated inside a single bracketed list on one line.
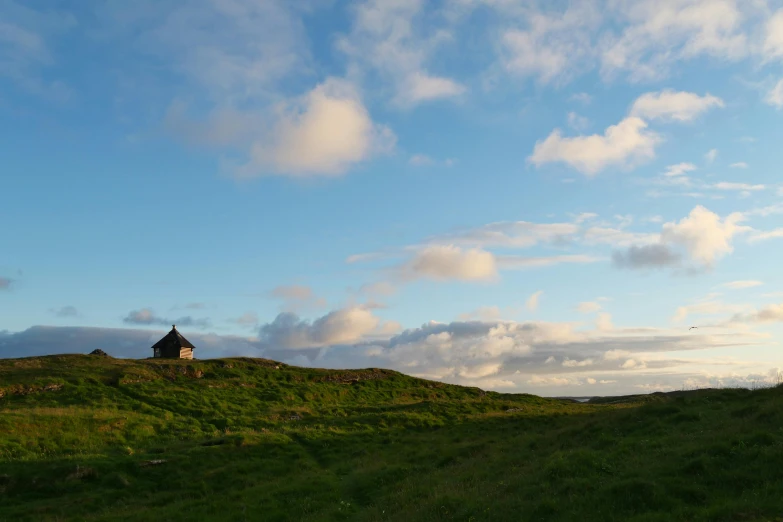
[(96, 438)]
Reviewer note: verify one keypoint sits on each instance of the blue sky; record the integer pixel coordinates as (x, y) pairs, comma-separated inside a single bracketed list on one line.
[(529, 196)]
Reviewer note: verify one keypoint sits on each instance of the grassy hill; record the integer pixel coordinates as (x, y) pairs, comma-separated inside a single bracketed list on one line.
[(96, 438)]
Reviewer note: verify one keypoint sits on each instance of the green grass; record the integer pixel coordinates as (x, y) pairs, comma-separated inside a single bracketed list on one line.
[(95, 438)]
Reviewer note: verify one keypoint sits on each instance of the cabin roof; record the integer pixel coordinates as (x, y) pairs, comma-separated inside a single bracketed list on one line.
[(173, 338)]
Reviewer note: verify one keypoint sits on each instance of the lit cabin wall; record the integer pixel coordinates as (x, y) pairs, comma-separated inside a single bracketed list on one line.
[(186, 353)]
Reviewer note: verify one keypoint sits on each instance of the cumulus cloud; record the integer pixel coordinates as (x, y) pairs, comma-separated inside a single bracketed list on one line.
[(462, 352), (670, 105), (711, 155), (323, 134), (739, 165), (448, 262), (146, 316), (346, 325), (624, 145), (704, 234), (532, 301)]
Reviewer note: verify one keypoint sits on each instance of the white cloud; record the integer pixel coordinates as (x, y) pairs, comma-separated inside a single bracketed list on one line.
[(532, 302), (773, 37), (711, 155), (738, 285), (324, 134), (704, 235), (739, 165), (420, 87), (626, 144), (775, 95), (448, 262), (588, 307), (679, 169), (668, 105)]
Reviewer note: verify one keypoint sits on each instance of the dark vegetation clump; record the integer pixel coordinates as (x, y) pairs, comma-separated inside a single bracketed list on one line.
[(100, 352), (98, 438)]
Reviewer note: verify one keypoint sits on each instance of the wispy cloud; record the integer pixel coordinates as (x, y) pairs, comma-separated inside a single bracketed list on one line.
[(145, 316), (65, 311), (533, 300)]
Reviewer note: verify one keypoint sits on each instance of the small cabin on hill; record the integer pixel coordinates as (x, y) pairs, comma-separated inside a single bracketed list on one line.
[(173, 346)]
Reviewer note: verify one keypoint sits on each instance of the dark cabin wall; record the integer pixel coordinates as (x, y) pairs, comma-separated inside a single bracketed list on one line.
[(170, 352)]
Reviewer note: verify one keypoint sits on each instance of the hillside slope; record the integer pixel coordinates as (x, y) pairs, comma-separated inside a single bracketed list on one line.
[(96, 438)]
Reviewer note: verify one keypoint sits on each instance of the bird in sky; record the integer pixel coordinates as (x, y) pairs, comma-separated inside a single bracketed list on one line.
[(693, 327)]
